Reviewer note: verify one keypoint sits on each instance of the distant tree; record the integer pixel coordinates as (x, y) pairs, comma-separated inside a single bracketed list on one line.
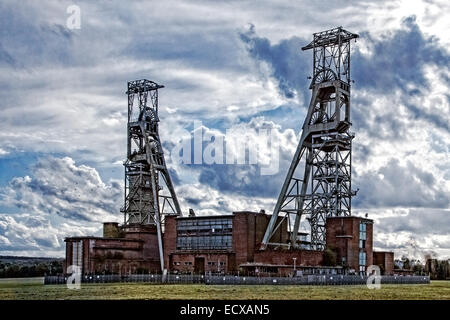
[(442, 269), (418, 269), (25, 271), (406, 263), (32, 271), (56, 267), (42, 269), (13, 271)]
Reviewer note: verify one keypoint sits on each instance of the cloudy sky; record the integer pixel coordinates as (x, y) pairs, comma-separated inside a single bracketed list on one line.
[(233, 66)]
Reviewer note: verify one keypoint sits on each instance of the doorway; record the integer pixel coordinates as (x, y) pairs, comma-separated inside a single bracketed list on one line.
[(199, 265)]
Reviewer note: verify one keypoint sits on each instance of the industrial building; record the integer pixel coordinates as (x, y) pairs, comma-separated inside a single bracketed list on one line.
[(225, 244), (317, 193)]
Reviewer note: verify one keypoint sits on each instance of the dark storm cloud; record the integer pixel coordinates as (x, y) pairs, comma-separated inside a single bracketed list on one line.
[(398, 59), (439, 120), (242, 179), (174, 176), (395, 185), (246, 178), (289, 67)]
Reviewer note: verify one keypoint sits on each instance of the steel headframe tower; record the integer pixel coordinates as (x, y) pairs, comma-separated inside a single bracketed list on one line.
[(325, 146), (146, 173)]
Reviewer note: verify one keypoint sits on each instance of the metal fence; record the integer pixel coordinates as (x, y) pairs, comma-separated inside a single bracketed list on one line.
[(240, 280)]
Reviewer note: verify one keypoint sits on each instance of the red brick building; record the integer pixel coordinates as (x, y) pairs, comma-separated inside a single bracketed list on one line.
[(352, 239), (385, 260), (120, 250), (225, 244)]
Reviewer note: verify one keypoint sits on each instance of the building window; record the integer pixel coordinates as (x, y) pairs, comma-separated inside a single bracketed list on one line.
[(362, 235), (362, 231), (77, 253), (362, 262), (362, 258), (211, 263), (188, 263), (204, 234), (362, 244)]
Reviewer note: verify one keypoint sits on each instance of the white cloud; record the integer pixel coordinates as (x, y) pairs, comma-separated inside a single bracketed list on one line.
[(33, 235), (3, 152), (58, 187)]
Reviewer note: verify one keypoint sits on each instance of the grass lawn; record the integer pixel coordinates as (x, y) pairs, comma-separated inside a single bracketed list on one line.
[(30, 289)]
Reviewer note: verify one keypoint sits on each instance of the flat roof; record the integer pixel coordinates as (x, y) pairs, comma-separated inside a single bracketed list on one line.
[(220, 215), (208, 217), (351, 217), (102, 238)]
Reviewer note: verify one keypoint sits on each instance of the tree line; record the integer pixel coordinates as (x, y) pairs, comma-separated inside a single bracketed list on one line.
[(14, 269)]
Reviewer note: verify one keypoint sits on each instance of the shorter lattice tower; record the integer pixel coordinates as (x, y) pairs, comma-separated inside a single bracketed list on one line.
[(149, 192)]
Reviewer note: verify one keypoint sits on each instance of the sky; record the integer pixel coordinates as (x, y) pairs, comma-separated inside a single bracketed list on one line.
[(235, 68)]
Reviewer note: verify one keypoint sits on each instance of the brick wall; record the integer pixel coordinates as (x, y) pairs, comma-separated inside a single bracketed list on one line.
[(184, 262), (170, 239), (385, 260), (240, 237), (135, 252), (285, 257), (342, 235)]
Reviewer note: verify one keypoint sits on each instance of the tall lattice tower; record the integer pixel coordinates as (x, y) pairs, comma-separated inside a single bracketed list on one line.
[(324, 153), (149, 192)]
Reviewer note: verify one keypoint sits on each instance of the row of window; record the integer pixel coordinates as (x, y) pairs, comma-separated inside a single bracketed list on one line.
[(194, 223), (204, 242), (362, 245), (189, 263), (77, 253), (362, 235), (186, 263), (207, 227), (213, 263), (204, 231)]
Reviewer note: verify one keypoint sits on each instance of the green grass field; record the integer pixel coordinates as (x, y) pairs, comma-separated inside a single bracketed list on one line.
[(30, 289)]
